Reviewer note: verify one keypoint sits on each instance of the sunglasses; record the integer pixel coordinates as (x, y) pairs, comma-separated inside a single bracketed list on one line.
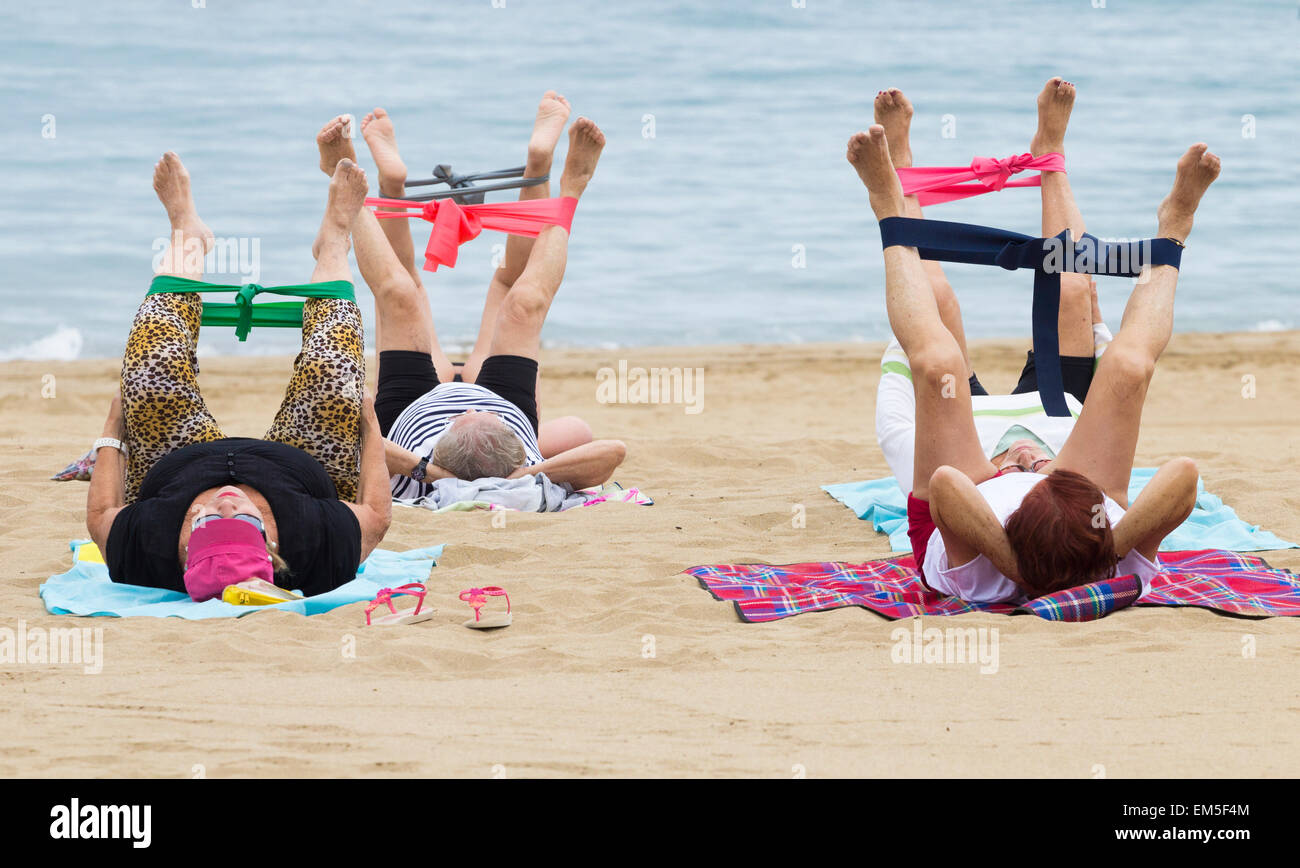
[(244, 517), (1016, 468)]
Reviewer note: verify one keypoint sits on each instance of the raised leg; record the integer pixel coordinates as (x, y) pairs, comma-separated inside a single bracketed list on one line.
[(518, 327), (161, 403), (893, 111), (321, 410), (552, 113), (1061, 212), (403, 318), (381, 137), (1104, 439), (945, 428)]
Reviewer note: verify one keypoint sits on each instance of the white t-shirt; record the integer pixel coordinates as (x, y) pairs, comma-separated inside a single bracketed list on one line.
[(979, 581), (994, 416), (426, 418)]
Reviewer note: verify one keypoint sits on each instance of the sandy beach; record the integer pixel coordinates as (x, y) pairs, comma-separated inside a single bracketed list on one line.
[(567, 691)]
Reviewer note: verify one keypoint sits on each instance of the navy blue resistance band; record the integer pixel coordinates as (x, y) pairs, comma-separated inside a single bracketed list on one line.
[(1048, 257)]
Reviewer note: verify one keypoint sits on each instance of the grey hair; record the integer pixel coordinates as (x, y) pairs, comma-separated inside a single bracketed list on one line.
[(474, 450)]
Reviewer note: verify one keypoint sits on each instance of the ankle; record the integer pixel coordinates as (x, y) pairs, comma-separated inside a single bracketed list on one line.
[(538, 163)]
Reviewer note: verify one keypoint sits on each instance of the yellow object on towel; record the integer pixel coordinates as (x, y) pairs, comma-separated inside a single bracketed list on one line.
[(88, 553), (256, 592)]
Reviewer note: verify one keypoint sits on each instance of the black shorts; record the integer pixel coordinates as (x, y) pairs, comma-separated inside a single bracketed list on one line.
[(405, 375), (1076, 377)]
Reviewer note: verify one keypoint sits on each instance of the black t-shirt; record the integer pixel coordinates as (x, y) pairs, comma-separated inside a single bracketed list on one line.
[(320, 537)]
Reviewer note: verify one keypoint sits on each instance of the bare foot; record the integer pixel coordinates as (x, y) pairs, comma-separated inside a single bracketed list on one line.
[(893, 111), (1055, 101), (585, 143), (377, 130), (334, 144), (1197, 170), (171, 181), (347, 197), (869, 154), (552, 112)]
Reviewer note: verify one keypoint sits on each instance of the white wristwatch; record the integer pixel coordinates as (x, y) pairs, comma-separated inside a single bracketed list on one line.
[(109, 441)]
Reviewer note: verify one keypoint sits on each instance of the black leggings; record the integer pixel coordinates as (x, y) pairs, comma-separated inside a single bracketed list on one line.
[(405, 375)]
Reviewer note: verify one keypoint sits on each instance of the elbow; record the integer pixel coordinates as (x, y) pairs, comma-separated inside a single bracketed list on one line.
[(1186, 469), (944, 480), (1188, 474)]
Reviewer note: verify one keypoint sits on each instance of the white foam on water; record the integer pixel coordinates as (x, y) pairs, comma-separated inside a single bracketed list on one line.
[(62, 345), (1271, 325)]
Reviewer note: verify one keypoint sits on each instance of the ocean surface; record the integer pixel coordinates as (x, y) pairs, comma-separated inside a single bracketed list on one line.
[(723, 210)]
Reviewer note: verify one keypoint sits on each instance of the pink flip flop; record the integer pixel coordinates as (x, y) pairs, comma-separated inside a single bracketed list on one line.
[(406, 616), (477, 598)]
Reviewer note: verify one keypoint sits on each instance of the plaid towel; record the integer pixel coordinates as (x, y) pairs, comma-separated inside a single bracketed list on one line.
[(1230, 582)]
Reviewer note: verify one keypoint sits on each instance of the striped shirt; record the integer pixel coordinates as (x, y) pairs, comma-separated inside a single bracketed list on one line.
[(427, 417)]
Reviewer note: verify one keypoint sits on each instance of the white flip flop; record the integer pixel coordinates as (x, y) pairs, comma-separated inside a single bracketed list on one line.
[(415, 615)]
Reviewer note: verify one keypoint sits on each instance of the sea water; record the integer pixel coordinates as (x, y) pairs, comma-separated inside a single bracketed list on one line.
[(723, 210)]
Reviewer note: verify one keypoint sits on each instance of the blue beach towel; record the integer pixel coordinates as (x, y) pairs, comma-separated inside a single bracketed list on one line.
[(1212, 525), (86, 590)]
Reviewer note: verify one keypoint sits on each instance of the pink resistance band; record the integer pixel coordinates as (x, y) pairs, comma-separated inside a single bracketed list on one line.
[(454, 224), (937, 184)]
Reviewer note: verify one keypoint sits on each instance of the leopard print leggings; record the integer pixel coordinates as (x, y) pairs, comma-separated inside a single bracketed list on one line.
[(320, 414)]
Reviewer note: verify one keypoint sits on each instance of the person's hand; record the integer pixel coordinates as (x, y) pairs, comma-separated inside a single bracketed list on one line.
[(115, 424), (369, 421)]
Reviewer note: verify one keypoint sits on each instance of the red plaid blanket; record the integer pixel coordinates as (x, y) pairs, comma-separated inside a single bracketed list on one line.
[(1230, 582)]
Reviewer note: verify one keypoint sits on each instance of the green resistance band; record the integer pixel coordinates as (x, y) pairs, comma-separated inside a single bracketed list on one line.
[(243, 314)]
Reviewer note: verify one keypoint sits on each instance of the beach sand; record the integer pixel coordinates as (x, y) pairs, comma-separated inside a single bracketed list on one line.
[(567, 690)]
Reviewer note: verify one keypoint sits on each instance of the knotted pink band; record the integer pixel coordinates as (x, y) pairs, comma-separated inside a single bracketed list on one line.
[(937, 184), (454, 224)]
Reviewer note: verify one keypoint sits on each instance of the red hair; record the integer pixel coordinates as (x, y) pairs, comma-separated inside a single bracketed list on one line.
[(1061, 534)]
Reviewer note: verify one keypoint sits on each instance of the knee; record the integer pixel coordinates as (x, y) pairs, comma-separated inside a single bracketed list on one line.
[(1130, 369), (938, 366), (524, 305), (1076, 292)]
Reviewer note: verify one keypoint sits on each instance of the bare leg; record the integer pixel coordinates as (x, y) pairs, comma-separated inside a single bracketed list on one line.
[(403, 318), (518, 329), (1055, 102), (347, 191), (893, 111), (945, 428), (191, 238), (1104, 439), (381, 137), (1060, 212), (552, 113)]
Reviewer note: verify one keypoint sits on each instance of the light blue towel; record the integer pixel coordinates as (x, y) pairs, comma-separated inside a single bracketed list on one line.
[(86, 590), (1212, 525)]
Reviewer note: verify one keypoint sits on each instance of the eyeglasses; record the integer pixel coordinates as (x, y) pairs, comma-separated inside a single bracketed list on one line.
[(243, 516), (1016, 468)]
